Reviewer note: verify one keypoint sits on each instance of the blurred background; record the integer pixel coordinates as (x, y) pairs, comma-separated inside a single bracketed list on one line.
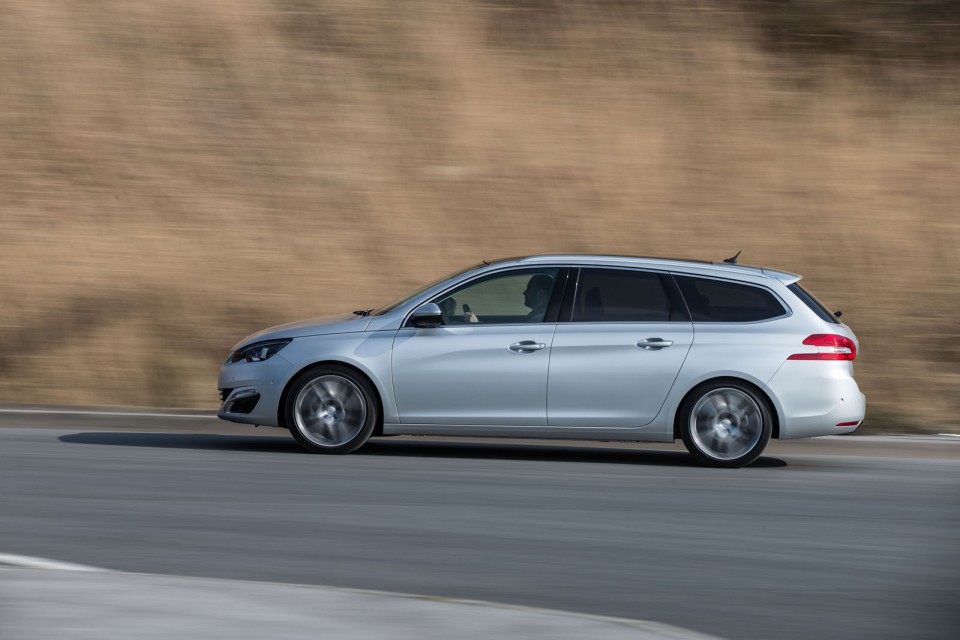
[(175, 175)]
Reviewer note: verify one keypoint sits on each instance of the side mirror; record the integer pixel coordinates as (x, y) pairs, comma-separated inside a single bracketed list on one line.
[(427, 316)]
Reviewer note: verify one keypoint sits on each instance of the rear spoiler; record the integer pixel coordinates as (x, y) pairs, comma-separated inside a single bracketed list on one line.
[(783, 276)]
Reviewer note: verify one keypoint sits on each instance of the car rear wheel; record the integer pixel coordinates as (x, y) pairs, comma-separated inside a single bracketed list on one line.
[(725, 424), (331, 409)]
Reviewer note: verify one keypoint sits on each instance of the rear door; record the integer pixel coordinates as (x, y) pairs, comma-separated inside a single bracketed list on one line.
[(618, 354)]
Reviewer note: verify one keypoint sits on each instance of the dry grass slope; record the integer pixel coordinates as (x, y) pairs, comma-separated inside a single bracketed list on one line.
[(175, 175)]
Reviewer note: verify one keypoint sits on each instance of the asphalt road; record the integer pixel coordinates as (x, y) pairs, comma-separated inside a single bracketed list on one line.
[(834, 539)]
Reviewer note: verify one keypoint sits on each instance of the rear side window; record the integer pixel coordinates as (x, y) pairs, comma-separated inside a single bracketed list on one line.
[(815, 305), (612, 295), (723, 301)]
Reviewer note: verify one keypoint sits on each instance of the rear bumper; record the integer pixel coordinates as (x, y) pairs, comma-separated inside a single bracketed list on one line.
[(814, 397)]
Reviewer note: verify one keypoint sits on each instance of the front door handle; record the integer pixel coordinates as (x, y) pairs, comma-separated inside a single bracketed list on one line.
[(654, 344), (526, 346)]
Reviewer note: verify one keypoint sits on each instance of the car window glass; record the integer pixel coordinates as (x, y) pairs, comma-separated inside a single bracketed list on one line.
[(723, 301), (514, 297), (611, 295), (815, 305)]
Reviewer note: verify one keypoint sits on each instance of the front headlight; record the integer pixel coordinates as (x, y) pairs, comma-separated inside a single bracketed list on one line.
[(259, 351)]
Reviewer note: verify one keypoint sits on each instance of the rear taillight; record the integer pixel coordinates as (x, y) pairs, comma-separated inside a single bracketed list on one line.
[(830, 346)]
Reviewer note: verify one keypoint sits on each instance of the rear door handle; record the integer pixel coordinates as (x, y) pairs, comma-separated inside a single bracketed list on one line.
[(654, 344), (526, 346)]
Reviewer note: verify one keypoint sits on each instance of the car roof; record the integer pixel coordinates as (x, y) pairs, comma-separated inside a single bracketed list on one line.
[(691, 266)]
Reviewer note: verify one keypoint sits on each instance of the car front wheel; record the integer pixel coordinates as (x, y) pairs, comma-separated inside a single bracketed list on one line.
[(725, 424), (331, 409)]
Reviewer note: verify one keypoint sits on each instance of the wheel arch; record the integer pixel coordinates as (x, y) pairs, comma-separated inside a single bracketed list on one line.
[(282, 405), (774, 408)]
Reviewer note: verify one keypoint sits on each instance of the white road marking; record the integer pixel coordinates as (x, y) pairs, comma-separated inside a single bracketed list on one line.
[(121, 414), (664, 630), (658, 629), (31, 562)]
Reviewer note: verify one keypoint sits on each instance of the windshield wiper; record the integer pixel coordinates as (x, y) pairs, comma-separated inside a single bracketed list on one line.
[(362, 312)]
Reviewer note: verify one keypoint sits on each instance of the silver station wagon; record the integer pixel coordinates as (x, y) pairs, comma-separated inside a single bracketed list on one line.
[(721, 355)]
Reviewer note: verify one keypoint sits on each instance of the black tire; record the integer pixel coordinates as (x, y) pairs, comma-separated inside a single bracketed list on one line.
[(733, 426), (311, 409)]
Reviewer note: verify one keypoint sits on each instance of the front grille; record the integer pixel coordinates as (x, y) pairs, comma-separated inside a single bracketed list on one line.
[(224, 393)]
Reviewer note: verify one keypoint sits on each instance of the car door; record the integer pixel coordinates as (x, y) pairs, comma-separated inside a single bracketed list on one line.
[(616, 358), (487, 363)]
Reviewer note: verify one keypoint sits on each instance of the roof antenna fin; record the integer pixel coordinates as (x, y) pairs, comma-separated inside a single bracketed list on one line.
[(733, 260)]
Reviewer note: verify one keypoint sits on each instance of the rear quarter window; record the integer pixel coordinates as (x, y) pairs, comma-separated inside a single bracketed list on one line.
[(712, 300), (815, 305)]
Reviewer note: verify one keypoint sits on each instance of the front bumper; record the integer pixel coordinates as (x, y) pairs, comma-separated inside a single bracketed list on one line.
[(250, 391)]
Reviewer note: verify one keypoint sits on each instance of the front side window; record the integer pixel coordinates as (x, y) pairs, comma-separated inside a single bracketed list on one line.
[(612, 295), (724, 301), (515, 297)]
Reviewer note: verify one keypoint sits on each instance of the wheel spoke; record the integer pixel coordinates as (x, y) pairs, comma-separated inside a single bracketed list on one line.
[(714, 406), (315, 395), (333, 389)]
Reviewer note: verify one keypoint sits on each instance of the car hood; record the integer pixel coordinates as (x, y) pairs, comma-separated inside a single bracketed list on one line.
[(343, 323)]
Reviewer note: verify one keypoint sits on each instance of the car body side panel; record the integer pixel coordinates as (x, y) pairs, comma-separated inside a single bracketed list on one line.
[(752, 352), (758, 352), (630, 434), (369, 352)]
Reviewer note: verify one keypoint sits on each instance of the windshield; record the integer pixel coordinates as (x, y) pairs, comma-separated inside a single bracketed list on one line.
[(413, 294)]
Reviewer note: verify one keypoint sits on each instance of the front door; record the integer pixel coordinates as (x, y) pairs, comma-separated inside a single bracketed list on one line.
[(487, 364)]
